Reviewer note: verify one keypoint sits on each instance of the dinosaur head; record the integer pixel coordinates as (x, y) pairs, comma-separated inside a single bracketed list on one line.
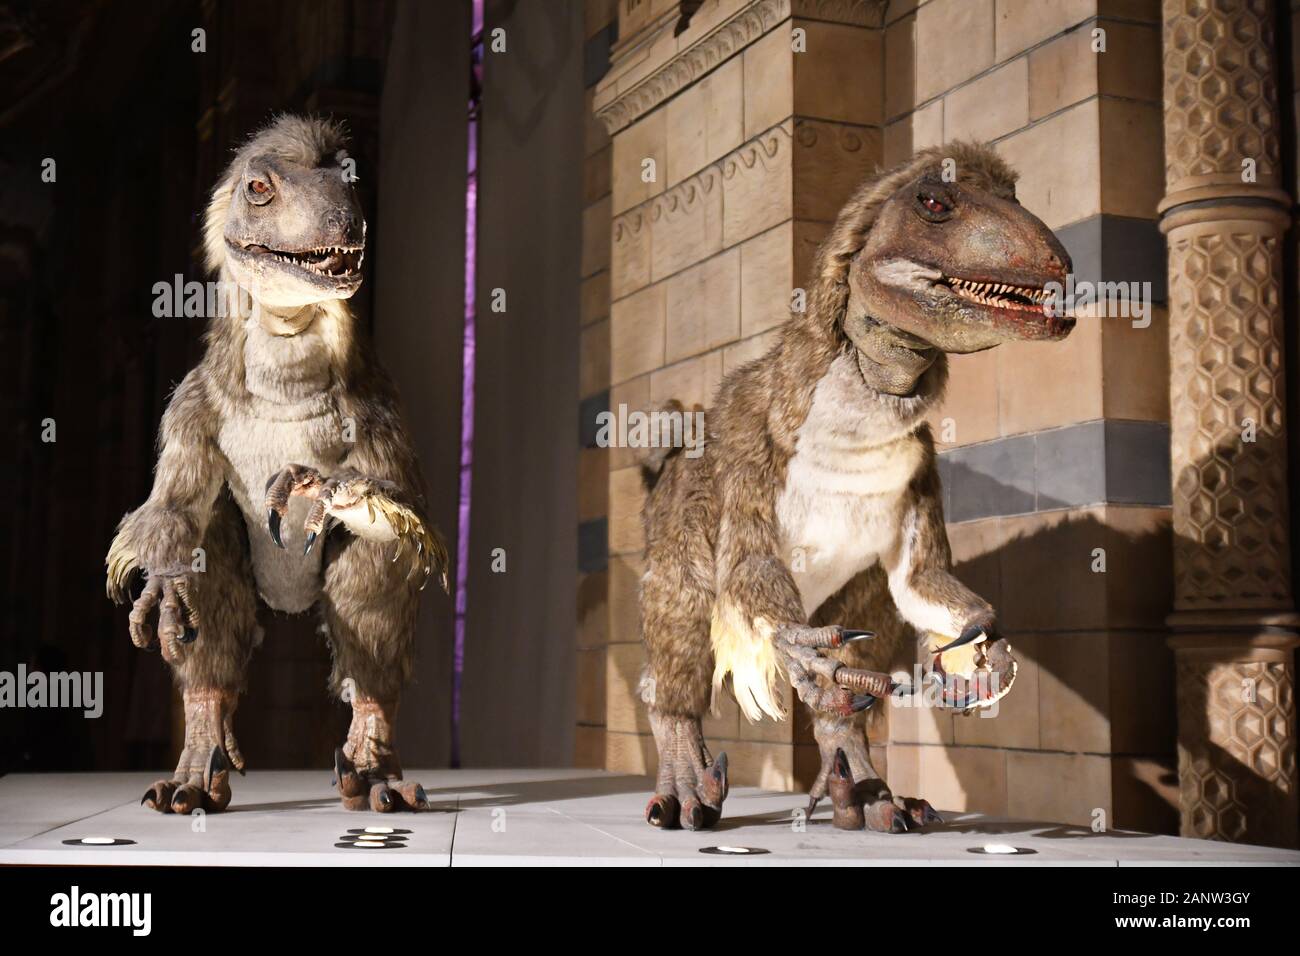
[(955, 262), (284, 220)]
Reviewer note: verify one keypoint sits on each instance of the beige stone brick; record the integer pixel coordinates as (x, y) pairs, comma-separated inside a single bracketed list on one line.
[(766, 765), (1139, 581), (766, 279), (769, 80), (703, 306), (1135, 368), (837, 77), (593, 483), (1057, 787), (646, 139), (691, 382), (989, 107), (1022, 23), (969, 410), (1130, 67), (630, 253), (590, 689), (686, 225), (626, 496), (596, 171), (1074, 691), (1042, 384), (1062, 72), (598, 14), (1061, 542), (593, 359), (757, 186), (807, 237), (595, 237), (594, 298), (900, 67), (593, 609), (721, 724), (963, 778), (630, 396), (746, 350), (1144, 792), (705, 121), (1059, 165), (589, 747), (1141, 709), (630, 753), (1132, 161), (975, 548), (918, 724), (637, 333), (625, 572), (956, 37), (624, 710), (830, 162), (1014, 722)]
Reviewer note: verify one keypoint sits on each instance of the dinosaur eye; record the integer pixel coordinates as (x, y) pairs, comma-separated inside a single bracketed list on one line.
[(259, 192), (932, 206)]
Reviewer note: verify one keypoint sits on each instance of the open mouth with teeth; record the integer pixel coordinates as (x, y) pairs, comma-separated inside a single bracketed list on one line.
[(328, 262), (1000, 295)]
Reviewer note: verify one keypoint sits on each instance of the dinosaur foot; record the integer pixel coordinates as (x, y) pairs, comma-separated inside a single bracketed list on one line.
[(207, 790), (374, 790), (867, 804), (691, 786)]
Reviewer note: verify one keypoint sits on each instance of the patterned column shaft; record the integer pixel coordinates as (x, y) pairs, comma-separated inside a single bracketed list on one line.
[(1225, 214)]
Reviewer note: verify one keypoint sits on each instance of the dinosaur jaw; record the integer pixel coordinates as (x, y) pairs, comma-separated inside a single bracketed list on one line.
[(334, 270), (966, 312)]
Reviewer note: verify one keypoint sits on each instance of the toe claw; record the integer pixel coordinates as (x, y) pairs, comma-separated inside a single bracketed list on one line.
[(849, 636), (662, 811), (311, 540), (189, 635), (273, 525), (861, 702)]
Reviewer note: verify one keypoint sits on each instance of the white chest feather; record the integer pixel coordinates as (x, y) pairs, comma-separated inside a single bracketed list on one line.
[(855, 456), (290, 419)]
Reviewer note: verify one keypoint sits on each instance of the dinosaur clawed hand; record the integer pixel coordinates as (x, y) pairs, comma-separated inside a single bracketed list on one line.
[(367, 506), (691, 786), (178, 620), (841, 690)]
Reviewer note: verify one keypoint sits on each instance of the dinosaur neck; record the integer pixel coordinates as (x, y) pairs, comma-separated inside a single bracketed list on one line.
[(892, 361)]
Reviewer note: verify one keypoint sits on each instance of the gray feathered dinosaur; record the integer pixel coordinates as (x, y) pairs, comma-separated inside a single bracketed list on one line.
[(287, 418)]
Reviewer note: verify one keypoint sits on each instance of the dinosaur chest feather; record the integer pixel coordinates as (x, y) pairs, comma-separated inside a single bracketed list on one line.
[(289, 419), (844, 488)]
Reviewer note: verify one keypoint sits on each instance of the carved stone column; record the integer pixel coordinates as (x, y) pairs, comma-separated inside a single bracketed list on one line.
[(1234, 621)]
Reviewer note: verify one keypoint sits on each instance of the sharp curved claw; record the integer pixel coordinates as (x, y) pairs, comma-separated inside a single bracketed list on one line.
[(273, 525), (861, 702), (188, 636), (311, 540), (848, 637), (968, 636)]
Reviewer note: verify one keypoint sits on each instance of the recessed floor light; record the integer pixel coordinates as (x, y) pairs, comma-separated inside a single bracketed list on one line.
[(1000, 849), (733, 850), (98, 841)]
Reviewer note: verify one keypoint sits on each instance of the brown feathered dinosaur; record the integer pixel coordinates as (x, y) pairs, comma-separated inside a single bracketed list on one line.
[(817, 502), (288, 417)]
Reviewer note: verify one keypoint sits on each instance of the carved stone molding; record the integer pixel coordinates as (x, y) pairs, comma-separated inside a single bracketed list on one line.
[(735, 33), (1225, 215)]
